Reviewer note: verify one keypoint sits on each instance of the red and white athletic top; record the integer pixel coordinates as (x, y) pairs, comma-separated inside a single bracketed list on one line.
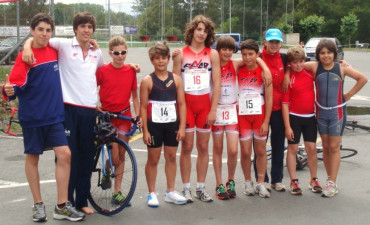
[(116, 85), (228, 84), (250, 81), (196, 63), (300, 95), (77, 74)]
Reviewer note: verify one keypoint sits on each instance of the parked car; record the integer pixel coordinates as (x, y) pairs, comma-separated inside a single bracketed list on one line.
[(6, 45), (236, 36), (310, 48)]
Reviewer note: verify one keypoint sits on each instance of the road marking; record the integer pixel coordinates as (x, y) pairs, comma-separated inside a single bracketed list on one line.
[(11, 184), (9, 136), (362, 98), (134, 138)]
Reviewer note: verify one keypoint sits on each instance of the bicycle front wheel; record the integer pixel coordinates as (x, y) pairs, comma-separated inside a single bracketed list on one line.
[(344, 153), (102, 196)]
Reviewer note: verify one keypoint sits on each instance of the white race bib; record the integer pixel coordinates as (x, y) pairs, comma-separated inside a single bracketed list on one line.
[(250, 104), (163, 112), (196, 79), (226, 115)]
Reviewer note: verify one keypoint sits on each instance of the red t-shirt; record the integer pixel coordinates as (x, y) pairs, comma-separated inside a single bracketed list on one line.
[(300, 95), (116, 85)]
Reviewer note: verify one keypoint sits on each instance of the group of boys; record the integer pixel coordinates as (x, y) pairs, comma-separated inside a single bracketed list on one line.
[(206, 91)]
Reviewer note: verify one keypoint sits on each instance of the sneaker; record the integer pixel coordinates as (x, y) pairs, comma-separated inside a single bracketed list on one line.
[(186, 192), (106, 182), (230, 188), (201, 194), (39, 213), (119, 199), (331, 189), (221, 192), (262, 191), (174, 197), (294, 187), (315, 185), (153, 200), (248, 188), (278, 187), (68, 212), (268, 186)]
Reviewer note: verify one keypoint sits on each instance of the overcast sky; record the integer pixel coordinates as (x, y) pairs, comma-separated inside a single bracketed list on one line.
[(116, 5)]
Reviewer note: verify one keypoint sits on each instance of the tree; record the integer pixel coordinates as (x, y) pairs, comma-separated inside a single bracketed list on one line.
[(311, 26), (349, 26), (285, 28)]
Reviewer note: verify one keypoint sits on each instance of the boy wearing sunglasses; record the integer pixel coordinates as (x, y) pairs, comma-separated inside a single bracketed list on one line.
[(118, 84)]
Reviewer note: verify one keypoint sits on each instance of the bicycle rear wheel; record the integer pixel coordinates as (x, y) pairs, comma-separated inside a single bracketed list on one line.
[(101, 199), (344, 153)]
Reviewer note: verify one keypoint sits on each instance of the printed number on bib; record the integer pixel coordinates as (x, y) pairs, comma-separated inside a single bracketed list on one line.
[(163, 112), (196, 79), (250, 104), (226, 114)]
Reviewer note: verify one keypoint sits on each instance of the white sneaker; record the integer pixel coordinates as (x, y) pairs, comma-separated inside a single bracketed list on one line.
[(186, 192), (248, 188), (262, 191), (201, 194), (278, 187), (268, 186), (174, 197), (152, 200), (331, 189)]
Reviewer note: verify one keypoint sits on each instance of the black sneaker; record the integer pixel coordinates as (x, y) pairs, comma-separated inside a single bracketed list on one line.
[(230, 188), (68, 212), (221, 192), (39, 214)]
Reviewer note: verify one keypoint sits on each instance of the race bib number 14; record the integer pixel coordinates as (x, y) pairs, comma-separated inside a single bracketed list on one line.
[(163, 112)]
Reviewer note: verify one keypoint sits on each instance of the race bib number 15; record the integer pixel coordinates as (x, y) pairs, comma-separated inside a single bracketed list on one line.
[(250, 104)]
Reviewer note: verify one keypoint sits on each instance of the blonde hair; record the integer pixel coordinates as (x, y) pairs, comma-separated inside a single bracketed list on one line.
[(116, 41), (296, 53)]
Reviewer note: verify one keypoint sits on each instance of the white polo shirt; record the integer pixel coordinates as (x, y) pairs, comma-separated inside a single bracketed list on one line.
[(77, 74)]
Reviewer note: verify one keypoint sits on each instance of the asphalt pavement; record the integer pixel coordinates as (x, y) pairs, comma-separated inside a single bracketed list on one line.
[(350, 206)]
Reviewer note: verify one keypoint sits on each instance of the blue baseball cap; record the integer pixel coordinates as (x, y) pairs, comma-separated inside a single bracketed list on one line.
[(274, 34)]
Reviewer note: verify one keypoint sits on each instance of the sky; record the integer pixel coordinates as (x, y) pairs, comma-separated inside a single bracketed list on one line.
[(116, 5)]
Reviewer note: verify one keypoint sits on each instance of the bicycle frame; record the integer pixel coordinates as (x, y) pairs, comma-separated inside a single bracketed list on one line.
[(11, 120)]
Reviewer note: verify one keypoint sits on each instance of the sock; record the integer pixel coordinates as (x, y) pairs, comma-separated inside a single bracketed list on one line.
[(60, 206), (200, 185), (186, 185)]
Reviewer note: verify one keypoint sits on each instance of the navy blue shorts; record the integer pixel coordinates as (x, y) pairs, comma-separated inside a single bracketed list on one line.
[(37, 139)]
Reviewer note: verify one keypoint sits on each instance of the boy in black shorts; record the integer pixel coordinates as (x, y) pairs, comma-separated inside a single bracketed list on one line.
[(163, 112), (41, 115)]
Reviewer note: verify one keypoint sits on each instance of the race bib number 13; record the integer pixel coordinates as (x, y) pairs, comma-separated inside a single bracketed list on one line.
[(226, 115)]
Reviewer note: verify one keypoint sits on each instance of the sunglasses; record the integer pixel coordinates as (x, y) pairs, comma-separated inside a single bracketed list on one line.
[(119, 53)]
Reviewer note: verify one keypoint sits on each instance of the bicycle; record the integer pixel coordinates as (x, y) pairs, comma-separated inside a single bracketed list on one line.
[(353, 124), (101, 196), (6, 125)]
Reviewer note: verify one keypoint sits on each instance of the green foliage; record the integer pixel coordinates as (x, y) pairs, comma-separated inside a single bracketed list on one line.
[(226, 25), (285, 28), (311, 26), (173, 31), (349, 26)]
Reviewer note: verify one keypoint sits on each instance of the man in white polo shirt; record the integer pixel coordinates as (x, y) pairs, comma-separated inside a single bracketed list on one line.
[(78, 63)]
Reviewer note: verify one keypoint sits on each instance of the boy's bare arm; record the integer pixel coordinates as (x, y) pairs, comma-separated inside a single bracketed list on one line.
[(176, 69), (268, 105), (266, 75), (216, 90), (135, 101), (28, 56), (182, 107), (144, 93), (360, 78)]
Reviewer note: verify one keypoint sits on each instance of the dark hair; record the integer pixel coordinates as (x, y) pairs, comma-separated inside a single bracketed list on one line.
[(225, 41), (210, 29), (41, 17), (82, 18), (250, 44), (326, 43), (296, 53), (160, 49)]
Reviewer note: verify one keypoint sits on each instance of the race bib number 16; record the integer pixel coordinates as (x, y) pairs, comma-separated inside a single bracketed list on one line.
[(196, 79)]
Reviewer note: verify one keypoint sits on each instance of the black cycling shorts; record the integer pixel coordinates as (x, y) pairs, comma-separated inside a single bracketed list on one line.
[(303, 125), (163, 134)]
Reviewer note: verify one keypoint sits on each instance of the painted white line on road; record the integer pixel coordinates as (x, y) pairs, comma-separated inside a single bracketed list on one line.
[(18, 200), (11, 184), (362, 98), (9, 136)]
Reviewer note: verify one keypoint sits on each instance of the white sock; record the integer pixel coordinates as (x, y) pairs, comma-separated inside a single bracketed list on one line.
[(186, 185), (201, 185)]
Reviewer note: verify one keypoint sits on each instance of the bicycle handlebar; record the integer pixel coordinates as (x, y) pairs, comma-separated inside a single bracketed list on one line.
[(105, 116)]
